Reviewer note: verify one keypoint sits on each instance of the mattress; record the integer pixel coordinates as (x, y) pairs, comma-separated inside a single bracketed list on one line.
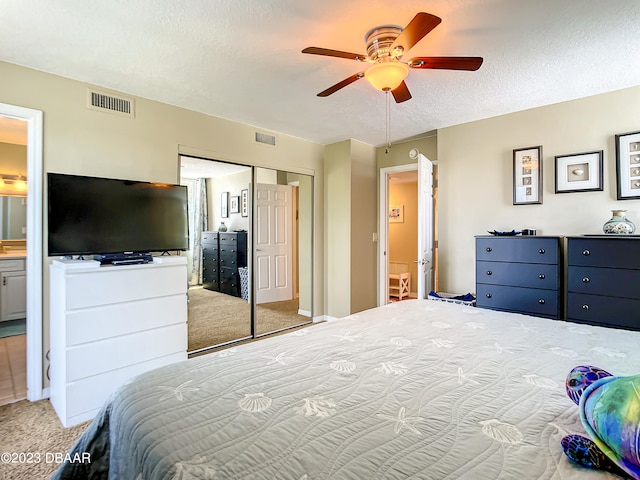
[(412, 390)]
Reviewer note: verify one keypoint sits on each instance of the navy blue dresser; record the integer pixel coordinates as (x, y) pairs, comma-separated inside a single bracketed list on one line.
[(222, 254), (210, 261), (520, 274), (603, 280)]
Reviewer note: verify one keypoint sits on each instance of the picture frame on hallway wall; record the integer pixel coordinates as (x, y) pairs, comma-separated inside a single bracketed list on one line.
[(396, 213), (579, 172), (527, 175), (628, 165)]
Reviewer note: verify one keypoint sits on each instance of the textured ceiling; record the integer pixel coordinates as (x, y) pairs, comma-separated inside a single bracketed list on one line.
[(241, 59)]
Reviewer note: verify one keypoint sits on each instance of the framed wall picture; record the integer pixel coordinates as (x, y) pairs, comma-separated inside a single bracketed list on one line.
[(224, 205), (244, 202), (234, 205), (628, 165), (579, 172), (396, 213), (527, 175)]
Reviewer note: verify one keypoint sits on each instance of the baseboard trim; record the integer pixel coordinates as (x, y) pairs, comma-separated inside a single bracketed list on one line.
[(324, 318)]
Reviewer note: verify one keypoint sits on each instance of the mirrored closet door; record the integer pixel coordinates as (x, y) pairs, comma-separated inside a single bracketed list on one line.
[(283, 264), (250, 260), (219, 308)]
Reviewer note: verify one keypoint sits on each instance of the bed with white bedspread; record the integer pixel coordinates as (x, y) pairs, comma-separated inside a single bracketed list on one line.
[(415, 389)]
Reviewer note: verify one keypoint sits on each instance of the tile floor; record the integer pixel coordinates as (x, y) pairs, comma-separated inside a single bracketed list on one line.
[(13, 369)]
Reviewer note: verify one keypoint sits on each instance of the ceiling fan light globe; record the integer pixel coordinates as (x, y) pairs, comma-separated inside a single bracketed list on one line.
[(386, 76)]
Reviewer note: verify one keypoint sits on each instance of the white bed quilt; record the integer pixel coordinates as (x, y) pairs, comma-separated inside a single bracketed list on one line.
[(414, 390)]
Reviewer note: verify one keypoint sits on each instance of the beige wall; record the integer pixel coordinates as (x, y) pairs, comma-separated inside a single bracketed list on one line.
[(86, 142), (350, 177), (399, 152), (337, 229), (233, 184), (475, 176), (364, 223), (13, 159)]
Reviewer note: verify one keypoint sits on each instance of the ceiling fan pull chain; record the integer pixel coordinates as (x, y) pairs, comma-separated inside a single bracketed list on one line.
[(388, 133)]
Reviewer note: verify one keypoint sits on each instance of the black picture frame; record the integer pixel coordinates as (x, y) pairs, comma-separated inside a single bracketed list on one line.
[(527, 176), (628, 165), (244, 203), (224, 205), (579, 172), (234, 204)]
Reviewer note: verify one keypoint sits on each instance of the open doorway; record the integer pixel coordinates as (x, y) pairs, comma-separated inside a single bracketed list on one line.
[(13, 253), (407, 230), (402, 238), (32, 121)]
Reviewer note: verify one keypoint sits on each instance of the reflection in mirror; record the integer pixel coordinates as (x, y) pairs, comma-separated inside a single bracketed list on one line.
[(283, 250), (219, 234), (13, 218), (13, 179)]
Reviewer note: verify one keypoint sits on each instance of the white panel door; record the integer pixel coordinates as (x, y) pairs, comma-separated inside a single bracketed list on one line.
[(425, 226), (273, 248)]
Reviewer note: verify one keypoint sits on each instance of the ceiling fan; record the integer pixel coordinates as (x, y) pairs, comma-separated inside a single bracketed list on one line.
[(386, 44)]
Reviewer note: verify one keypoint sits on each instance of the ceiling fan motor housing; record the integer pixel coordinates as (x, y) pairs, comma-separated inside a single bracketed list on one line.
[(379, 41)]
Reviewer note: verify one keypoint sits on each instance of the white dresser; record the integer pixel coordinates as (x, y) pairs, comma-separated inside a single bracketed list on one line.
[(110, 323)]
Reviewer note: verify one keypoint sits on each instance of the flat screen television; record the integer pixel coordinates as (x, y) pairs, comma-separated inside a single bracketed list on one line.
[(91, 215)]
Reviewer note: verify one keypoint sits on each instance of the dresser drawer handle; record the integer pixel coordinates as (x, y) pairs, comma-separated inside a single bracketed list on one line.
[(586, 252), (585, 307), (488, 295), (541, 301), (586, 280), (489, 249), (489, 272), (541, 251), (542, 276)]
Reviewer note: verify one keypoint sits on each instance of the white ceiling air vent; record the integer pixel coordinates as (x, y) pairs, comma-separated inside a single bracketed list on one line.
[(266, 139), (104, 102)]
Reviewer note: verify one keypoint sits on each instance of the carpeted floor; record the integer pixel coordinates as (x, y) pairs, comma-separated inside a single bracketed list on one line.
[(33, 428), (216, 318)]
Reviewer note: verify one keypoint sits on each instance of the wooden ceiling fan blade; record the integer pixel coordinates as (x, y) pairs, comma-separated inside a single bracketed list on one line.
[(342, 84), (446, 63), (421, 24), (401, 93), (334, 53)]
